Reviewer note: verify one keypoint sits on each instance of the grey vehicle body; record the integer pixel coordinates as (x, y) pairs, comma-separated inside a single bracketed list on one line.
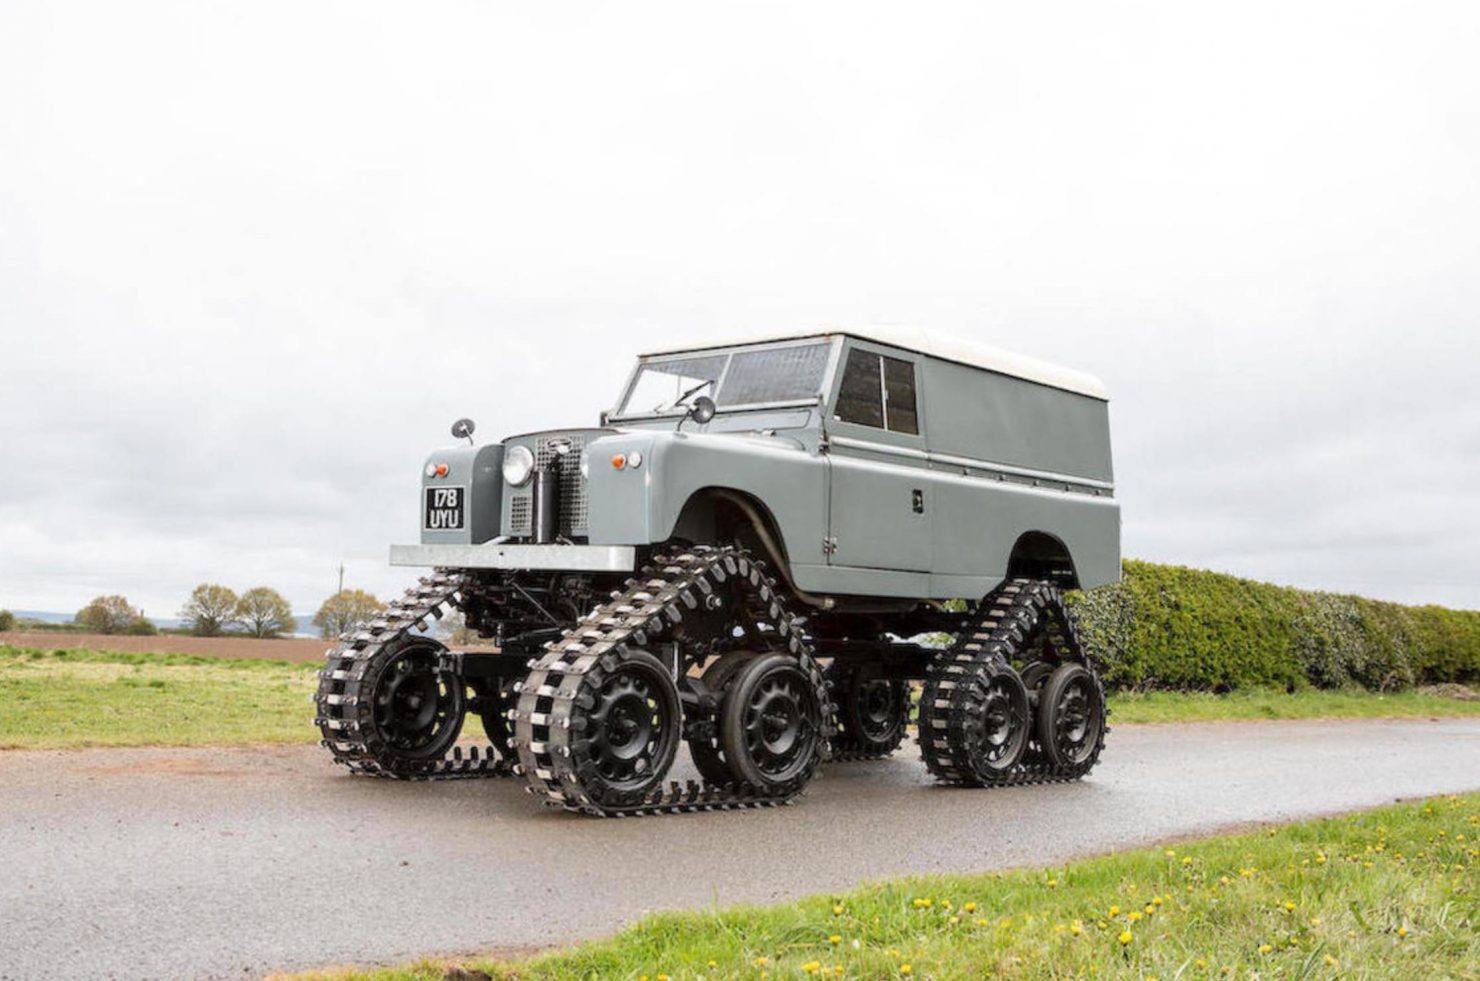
[(876, 463)]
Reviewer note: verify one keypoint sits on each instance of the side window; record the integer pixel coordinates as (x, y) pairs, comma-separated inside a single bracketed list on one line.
[(899, 396), (879, 392), (860, 399)]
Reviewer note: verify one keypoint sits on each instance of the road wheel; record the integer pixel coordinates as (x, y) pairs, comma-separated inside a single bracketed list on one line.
[(998, 722), (872, 714), (417, 707), (771, 723), (1034, 675), (630, 720), (707, 752), (1071, 718)]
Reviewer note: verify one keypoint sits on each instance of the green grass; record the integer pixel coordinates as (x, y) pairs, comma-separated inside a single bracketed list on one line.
[(1164, 706), (75, 698), (1384, 894)]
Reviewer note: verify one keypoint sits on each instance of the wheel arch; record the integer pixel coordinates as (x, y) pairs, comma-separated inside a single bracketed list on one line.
[(717, 514), (1043, 555)]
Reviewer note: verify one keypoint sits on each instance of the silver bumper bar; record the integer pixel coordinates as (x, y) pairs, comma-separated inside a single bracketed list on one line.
[(567, 558)]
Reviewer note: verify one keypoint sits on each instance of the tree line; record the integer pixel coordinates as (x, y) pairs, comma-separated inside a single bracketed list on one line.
[(214, 610)]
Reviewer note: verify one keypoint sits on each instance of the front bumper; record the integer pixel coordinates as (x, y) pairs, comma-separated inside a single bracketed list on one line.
[(565, 558)]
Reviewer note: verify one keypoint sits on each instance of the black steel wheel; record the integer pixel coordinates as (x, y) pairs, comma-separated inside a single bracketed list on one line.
[(1071, 717), (631, 727), (872, 713), (999, 721), (706, 751), (771, 723), (1034, 674), (417, 707)]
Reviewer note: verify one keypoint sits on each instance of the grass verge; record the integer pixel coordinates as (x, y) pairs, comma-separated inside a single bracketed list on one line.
[(1252, 704), (78, 698), (1389, 893)]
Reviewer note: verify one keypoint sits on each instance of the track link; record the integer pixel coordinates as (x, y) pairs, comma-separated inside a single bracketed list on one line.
[(683, 588), (345, 713), (1009, 621)]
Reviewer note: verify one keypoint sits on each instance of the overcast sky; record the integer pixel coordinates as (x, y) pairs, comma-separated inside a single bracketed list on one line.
[(255, 257)]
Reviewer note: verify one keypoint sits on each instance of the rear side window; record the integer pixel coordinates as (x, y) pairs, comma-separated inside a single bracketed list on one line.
[(899, 397), (879, 392)]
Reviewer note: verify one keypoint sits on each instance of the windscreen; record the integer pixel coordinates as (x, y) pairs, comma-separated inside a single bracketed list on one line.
[(758, 376)]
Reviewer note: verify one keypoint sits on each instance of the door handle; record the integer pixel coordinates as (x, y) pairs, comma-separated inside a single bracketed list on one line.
[(917, 501)]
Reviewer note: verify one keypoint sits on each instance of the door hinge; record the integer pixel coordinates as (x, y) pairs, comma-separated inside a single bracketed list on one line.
[(829, 546)]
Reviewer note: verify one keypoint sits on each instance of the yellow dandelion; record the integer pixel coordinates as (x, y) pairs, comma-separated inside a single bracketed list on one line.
[(761, 961), (837, 911), (970, 907), (1171, 853), (954, 920), (945, 904), (982, 922), (1114, 911), (835, 940), (1157, 900), (1150, 909), (905, 969), (1265, 948), (1053, 883), (1330, 961), (1076, 928), (1124, 938), (1289, 906), (713, 965), (1134, 916), (1187, 860), (1200, 964), (1402, 932), (812, 967)]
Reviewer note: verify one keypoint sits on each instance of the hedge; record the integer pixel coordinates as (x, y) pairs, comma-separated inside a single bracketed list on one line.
[(1171, 627)]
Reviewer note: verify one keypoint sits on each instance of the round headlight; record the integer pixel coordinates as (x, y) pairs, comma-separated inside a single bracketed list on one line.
[(518, 465)]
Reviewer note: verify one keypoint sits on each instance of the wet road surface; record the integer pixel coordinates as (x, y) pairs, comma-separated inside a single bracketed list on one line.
[(238, 862)]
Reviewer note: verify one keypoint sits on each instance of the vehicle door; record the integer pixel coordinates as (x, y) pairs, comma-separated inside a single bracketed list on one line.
[(878, 495)]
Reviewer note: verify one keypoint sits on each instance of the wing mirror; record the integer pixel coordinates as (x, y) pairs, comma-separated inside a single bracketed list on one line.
[(702, 410), (463, 429)]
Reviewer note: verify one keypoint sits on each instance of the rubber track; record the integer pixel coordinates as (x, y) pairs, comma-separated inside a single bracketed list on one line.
[(344, 708), (1007, 620), (548, 725)]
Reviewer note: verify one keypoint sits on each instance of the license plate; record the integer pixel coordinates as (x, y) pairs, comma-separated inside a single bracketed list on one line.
[(444, 510)]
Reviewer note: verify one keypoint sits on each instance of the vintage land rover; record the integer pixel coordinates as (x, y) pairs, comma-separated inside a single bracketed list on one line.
[(755, 553)]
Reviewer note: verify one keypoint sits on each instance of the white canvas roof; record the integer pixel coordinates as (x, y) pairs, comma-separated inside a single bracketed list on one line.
[(937, 345)]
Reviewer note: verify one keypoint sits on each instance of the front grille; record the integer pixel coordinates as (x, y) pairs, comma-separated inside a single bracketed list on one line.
[(520, 515), (574, 511)]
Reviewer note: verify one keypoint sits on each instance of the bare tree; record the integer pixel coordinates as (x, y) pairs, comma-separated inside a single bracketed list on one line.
[(108, 615), (264, 612), (210, 610), (344, 609)]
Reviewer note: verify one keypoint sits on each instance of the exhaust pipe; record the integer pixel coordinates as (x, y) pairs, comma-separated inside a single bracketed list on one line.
[(545, 506)]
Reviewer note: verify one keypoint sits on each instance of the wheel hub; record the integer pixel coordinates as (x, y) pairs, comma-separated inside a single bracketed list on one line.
[(630, 727), (417, 708)]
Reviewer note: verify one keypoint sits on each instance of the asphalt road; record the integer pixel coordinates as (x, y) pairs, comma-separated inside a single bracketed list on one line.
[(235, 863)]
